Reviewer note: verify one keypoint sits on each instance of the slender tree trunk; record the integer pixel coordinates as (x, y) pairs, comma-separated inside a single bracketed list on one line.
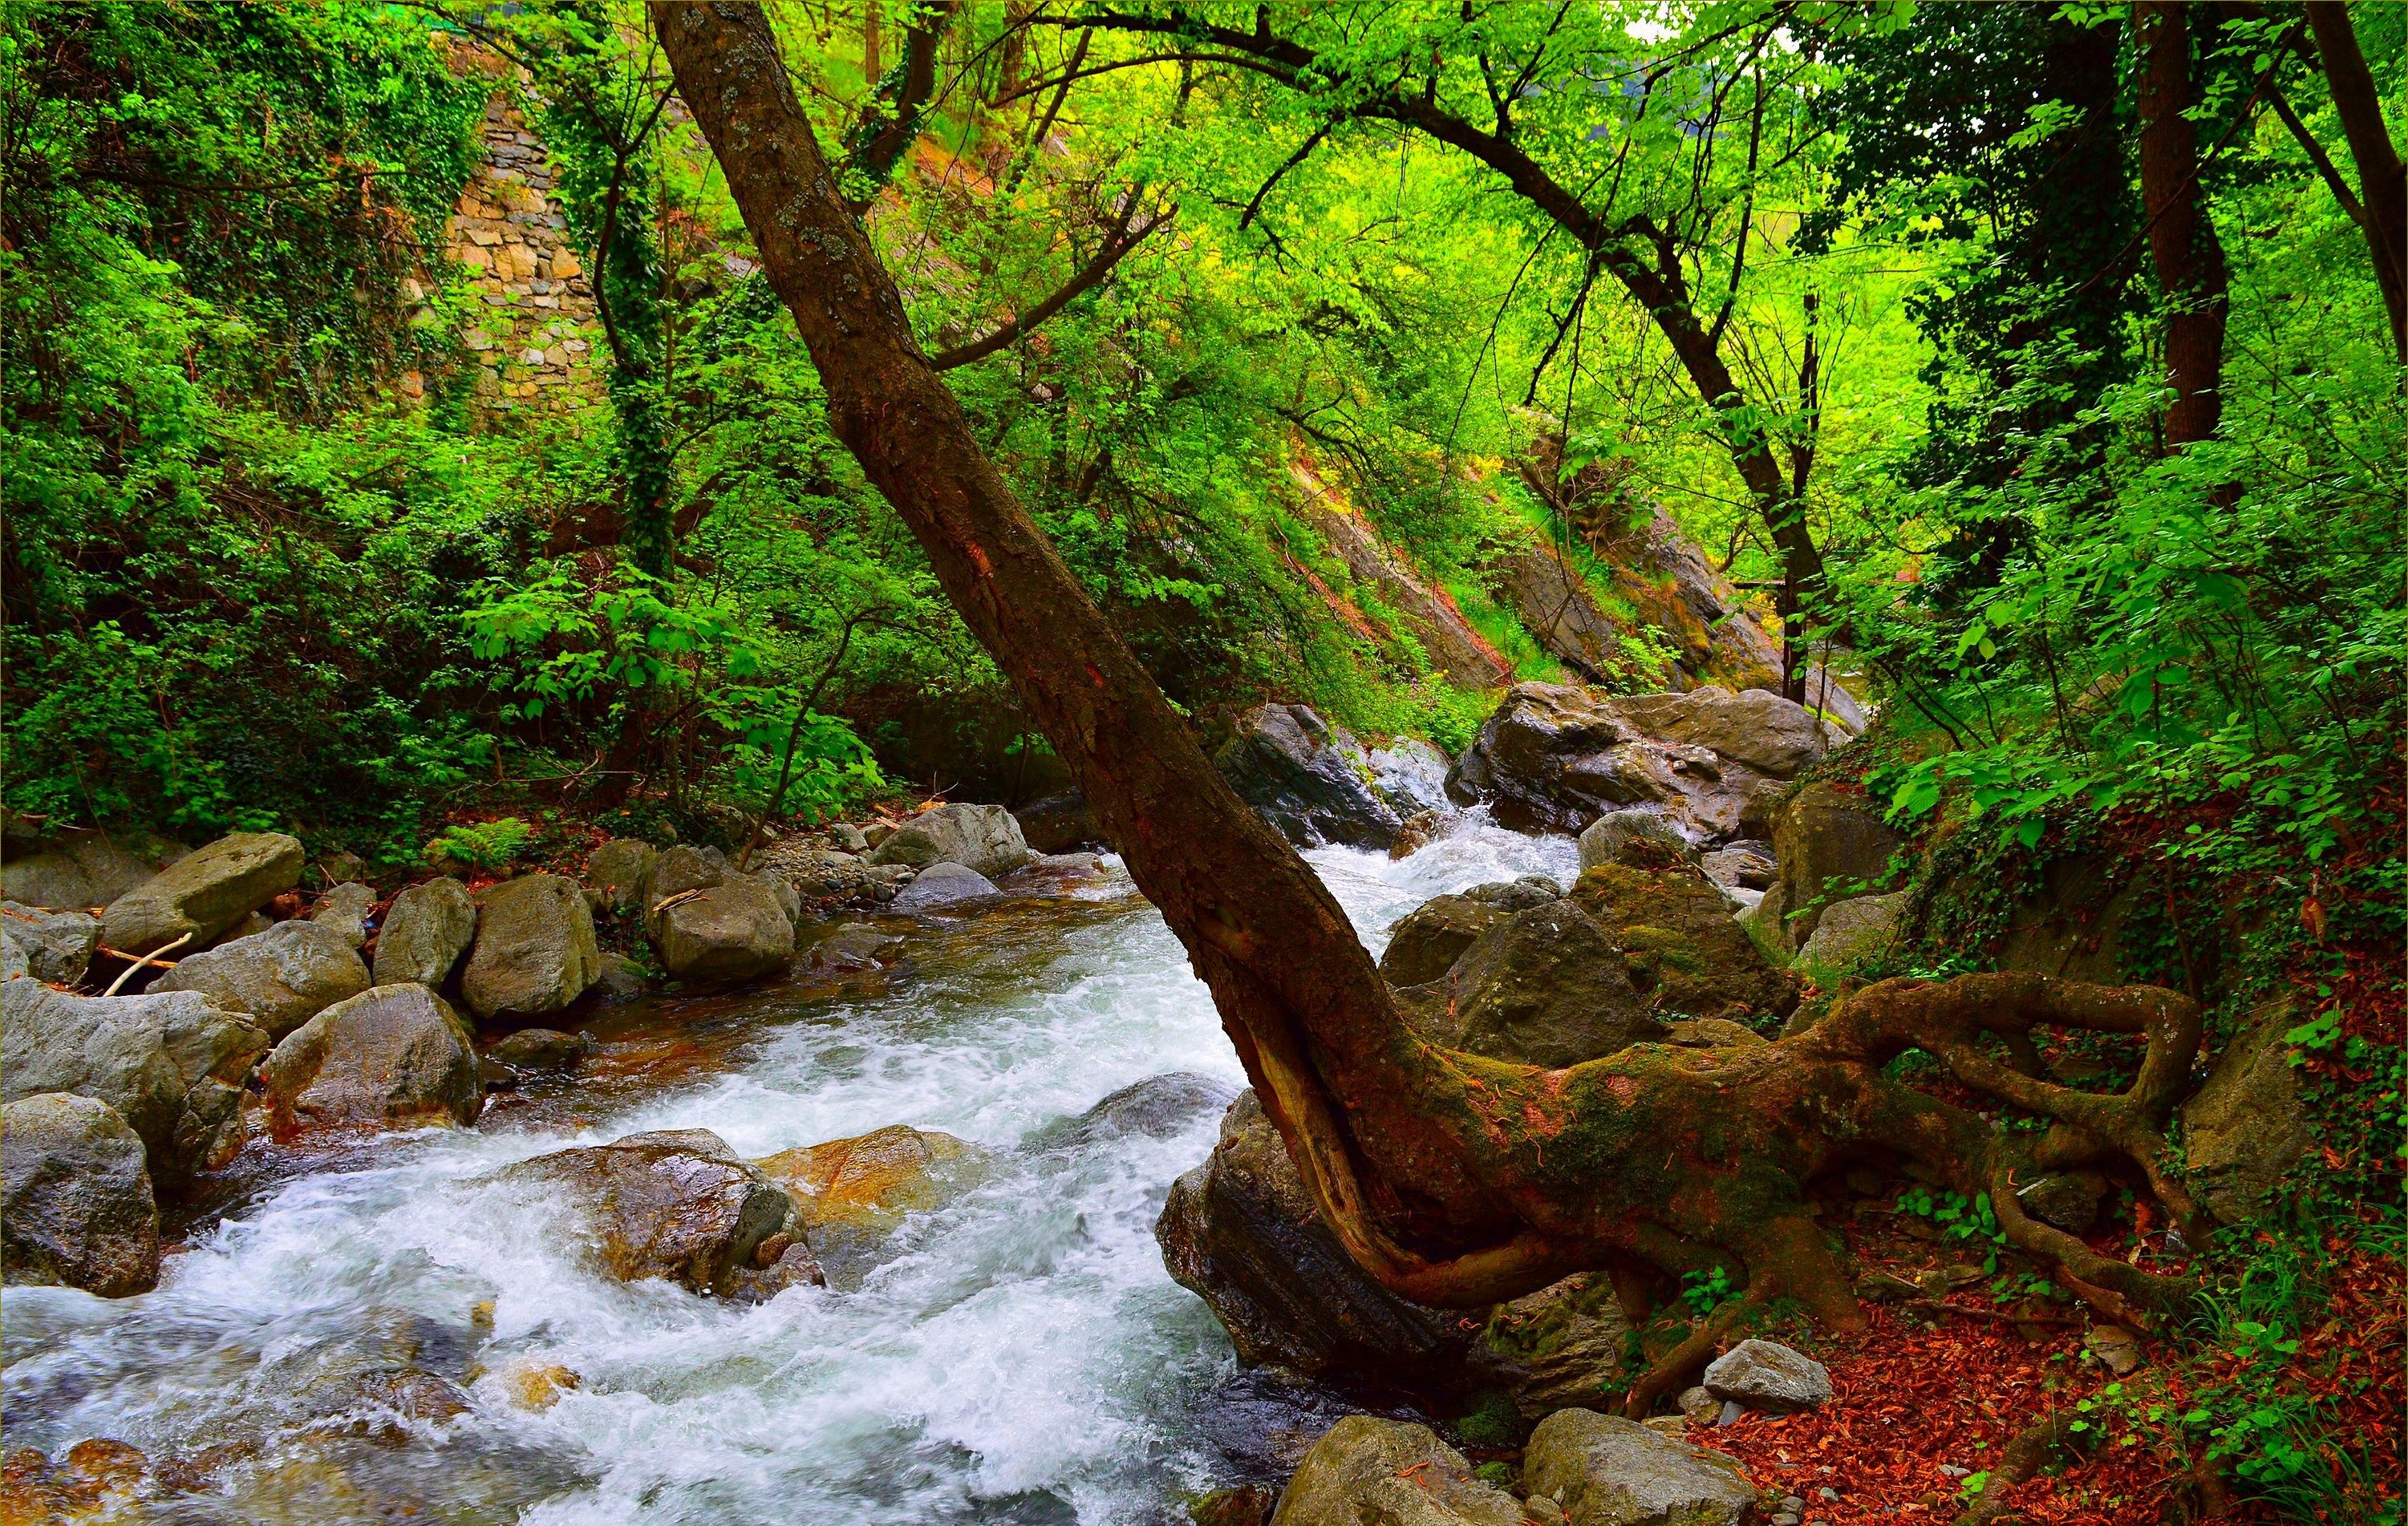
[(2183, 244), (2382, 182)]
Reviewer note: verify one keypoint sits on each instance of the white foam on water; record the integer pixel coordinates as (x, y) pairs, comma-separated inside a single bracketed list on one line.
[(1019, 1356)]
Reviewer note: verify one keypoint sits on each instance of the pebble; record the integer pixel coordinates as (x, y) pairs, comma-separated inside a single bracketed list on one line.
[(1732, 1410)]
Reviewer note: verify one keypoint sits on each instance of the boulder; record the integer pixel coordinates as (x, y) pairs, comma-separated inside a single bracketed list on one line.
[(617, 872), (1411, 776), (1766, 1374), (1306, 779), (1562, 1346), (77, 868), (1606, 1471), (203, 892), (344, 910), (342, 867), (1241, 1233), (1556, 757), (279, 978), (739, 929), (390, 1056), (425, 933), (681, 1206), (1058, 824), (1427, 940), (1850, 932), (851, 1194), (942, 885), (1541, 987), (171, 1064), (1517, 894), (1158, 1108), (984, 838), (1743, 865), (543, 1049), (856, 946), (1390, 1473), (2067, 1199), (848, 838), (76, 1205), (1606, 839), (535, 951), (1681, 947), (2071, 923), (1831, 846), (682, 868), (2246, 1129), (55, 946)]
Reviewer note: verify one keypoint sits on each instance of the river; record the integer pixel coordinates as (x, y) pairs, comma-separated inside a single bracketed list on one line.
[(1019, 1356)]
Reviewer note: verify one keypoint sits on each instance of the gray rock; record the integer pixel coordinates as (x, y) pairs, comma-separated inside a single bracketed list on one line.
[(2067, 1199), (1828, 844), (1428, 939), (1851, 932), (203, 892), (55, 946), (682, 868), (2245, 1129), (392, 1056), (279, 978), (1306, 779), (1411, 776), (1699, 1405), (619, 976), (1542, 987), (1766, 927), (943, 885), (1740, 867), (1606, 839), (12, 961), (984, 838), (535, 951), (342, 867), (76, 1205), (345, 909), (1366, 1471), (1158, 1108), (543, 1049), (1766, 1374), (739, 929), (823, 875), (1758, 729), (875, 833), (856, 946), (425, 933), (618, 870), (681, 1206), (77, 868), (1608, 1471), (170, 1063), (848, 838), (1517, 894)]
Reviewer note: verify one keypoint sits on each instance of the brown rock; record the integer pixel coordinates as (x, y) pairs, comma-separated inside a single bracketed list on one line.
[(392, 1056)]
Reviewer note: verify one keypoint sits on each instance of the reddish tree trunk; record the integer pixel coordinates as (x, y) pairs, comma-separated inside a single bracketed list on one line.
[(2382, 182), (2182, 238)]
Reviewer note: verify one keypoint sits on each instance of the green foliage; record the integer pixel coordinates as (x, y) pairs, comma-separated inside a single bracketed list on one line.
[(1706, 1292), (1959, 1219), (481, 845)]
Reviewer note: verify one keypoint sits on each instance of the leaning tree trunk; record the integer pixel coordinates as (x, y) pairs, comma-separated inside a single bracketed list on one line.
[(1452, 1178)]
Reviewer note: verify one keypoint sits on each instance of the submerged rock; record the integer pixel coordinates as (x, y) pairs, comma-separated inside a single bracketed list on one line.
[(984, 838), (279, 978), (543, 1049), (1369, 1470), (681, 1206), (1157, 1107), (55, 946), (75, 1203), (429, 927), (1603, 1469), (391, 1057), (535, 951), (205, 892), (856, 946), (1306, 779), (851, 1194), (172, 1064)]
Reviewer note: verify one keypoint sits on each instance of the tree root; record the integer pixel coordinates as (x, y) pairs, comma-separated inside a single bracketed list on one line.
[(2024, 1457)]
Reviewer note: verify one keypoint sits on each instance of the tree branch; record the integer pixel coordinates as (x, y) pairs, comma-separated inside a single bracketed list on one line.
[(1123, 240)]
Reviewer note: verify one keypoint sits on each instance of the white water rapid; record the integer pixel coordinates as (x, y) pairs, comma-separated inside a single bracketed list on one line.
[(1020, 1355)]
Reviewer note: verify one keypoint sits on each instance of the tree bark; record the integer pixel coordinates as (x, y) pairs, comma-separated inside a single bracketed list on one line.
[(2382, 182), (2183, 244), (1452, 1178)]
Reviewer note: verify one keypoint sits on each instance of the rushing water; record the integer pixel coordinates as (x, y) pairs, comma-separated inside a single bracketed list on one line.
[(1019, 1356)]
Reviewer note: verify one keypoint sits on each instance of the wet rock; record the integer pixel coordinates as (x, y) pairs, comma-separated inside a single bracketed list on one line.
[(344, 909), (535, 951), (856, 946), (1517, 894), (1852, 932), (391, 1057), (55, 946), (203, 892), (984, 838), (1058, 824), (681, 1206), (76, 868), (736, 930), (1429, 938), (279, 979), (1411, 776), (618, 871), (1741, 866), (1607, 1470), (620, 976), (1542, 987), (1247, 1504), (543, 1049), (1831, 846), (1306, 779), (76, 1205), (97, 1480), (1157, 1107), (849, 1196), (171, 1064), (2067, 1199), (1679, 944), (1241, 1233), (2245, 1129), (1607, 839), (943, 885), (1759, 730), (1766, 1374), (425, 933), (1367, 1469)]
